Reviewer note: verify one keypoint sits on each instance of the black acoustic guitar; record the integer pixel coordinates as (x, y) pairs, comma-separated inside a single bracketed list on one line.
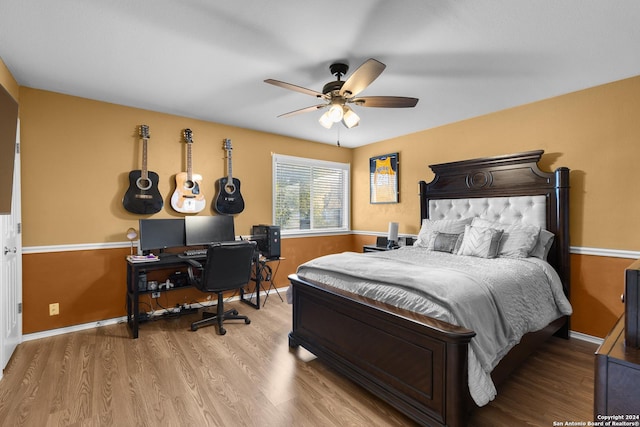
[(228, 200), (143, 196)]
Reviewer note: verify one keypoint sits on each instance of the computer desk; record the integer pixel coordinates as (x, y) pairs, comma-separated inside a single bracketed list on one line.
[(169, 262)]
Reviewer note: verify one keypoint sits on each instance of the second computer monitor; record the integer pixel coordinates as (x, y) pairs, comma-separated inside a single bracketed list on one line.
[(204, 230)]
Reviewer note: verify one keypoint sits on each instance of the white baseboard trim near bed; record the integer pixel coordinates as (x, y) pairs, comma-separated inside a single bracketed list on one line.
[(584, 337)]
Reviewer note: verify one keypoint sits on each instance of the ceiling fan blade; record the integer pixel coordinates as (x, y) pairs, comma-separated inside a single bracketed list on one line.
[(295, 88), (362, 77), (303, 110), (385, 101)]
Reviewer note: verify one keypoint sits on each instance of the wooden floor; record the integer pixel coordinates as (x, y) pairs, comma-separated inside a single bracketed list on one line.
[(171, 376)]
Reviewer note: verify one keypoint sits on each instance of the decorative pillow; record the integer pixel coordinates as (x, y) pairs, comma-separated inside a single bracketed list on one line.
[(429, 226), (480, 242), (445, 242), (541, 249), (518, 240)]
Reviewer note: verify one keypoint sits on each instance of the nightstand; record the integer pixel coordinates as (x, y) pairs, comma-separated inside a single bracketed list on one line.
[(381, 244), (374, 248), (617, 376)]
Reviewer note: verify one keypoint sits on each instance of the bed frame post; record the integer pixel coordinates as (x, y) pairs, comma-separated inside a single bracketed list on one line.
[(563, 260)]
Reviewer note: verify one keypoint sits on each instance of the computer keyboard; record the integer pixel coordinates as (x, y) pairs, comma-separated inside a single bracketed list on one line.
[(195, 253)]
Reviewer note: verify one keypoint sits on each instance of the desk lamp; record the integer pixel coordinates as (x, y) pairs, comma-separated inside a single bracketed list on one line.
[(132, 234), (392, 238)]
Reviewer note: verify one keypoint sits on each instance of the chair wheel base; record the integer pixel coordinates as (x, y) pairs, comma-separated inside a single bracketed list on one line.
[(247, 321), (222, 331), (194, 327)]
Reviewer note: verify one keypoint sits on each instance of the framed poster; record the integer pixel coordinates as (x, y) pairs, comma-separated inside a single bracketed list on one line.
[(383, 178)]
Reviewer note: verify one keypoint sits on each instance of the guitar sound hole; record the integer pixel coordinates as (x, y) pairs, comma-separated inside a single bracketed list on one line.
[(230, 188), (189, 185), (143, 184)]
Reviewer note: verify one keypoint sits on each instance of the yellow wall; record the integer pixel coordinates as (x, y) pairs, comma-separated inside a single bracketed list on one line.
[(77, 154), (594, 132)]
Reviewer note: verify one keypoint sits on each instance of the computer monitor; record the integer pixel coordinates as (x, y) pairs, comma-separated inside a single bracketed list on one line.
[(204, 230), (161, 233)]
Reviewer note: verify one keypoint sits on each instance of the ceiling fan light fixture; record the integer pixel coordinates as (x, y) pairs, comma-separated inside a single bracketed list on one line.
[(335, 113), (350, 118), (325, 120)]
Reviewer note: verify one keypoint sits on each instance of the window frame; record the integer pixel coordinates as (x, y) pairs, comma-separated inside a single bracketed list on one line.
[(308, 162)]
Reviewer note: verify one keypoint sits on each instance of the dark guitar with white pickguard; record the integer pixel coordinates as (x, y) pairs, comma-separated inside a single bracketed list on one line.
[(143, 196), (228, 200), (187, 198)]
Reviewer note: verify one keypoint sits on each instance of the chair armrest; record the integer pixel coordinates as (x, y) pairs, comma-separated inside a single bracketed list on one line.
[(193, 264)]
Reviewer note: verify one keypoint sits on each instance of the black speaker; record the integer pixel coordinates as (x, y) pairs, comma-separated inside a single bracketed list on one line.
[(268, 239)]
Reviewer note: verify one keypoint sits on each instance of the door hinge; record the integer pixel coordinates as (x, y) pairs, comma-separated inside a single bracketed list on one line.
[(17, 148), (19, 228), (19, 308)]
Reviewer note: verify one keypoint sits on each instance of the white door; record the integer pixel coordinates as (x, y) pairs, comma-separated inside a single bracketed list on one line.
[(11, 271)]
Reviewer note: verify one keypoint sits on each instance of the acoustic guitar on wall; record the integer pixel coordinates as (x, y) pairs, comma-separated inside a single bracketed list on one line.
[(142, 196), (187, 197), (228, 201)]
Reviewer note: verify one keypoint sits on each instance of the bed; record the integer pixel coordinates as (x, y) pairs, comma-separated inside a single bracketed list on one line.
[(415, 361)]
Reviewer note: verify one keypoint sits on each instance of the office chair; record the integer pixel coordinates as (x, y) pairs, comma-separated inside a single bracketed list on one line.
[(228, 267)]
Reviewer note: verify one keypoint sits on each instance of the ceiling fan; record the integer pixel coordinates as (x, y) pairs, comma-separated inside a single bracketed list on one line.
[(338, 94)]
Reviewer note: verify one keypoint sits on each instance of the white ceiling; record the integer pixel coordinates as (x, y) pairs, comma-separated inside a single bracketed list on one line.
[(207, 59)]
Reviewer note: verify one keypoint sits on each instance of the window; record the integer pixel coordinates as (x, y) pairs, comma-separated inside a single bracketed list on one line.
[(310, 195)]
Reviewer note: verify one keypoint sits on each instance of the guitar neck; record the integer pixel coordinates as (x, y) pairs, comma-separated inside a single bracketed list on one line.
[(227, 147), (189, 173), (145, 171), (230, 175)]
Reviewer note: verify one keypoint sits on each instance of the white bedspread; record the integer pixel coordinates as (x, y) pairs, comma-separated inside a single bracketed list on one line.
[(500, 299)]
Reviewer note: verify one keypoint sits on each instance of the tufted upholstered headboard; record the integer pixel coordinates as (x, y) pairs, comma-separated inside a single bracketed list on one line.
[(507, 210), (511, 188)]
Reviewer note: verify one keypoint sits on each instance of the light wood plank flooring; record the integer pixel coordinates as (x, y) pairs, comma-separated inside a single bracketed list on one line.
[(171, 376)]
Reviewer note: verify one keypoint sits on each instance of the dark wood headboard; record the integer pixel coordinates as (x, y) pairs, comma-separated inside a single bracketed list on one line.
[(503, 176)]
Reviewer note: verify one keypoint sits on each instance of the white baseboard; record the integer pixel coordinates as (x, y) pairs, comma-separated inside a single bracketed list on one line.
[(74, 328), (116, 320), (584, 337)]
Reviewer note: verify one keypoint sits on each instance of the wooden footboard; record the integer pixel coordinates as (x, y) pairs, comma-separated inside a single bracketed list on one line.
[(415, 363)]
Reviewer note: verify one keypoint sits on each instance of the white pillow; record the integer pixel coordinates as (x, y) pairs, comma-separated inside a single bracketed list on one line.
[(480, 242), (518, 240), (429, 226), (541, 249)]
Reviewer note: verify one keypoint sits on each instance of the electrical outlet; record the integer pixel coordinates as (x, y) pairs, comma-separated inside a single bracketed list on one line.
[(54, 309), (155, 294)]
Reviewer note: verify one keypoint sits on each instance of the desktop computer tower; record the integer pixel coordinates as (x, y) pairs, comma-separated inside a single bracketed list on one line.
[(268, 239)]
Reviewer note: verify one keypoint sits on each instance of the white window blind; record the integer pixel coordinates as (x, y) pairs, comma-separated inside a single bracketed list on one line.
[(310, 195)]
